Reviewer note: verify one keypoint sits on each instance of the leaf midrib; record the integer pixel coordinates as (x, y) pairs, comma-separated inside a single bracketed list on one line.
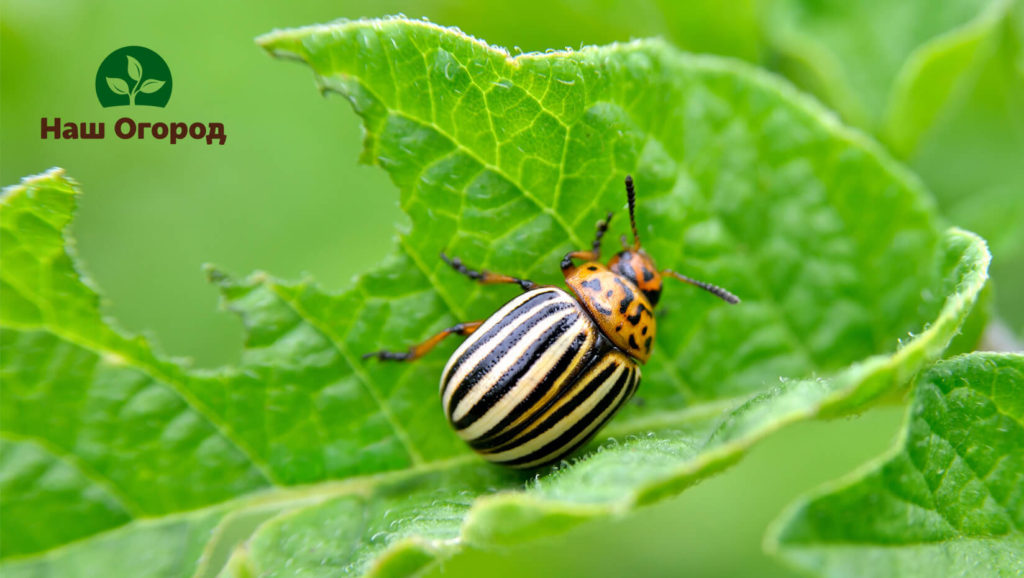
[(128, 505), (431, 124), (300, 496), (960, 456)]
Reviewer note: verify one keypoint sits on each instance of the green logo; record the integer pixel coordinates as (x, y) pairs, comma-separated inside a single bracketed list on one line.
[(133, 75)]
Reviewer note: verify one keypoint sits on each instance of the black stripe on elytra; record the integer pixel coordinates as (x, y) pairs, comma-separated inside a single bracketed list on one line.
[(634, 319), (529, 357), (499, 434), (562, 445), (583, 392), (497, 352), (627, 298), (633, 386), (509, 318), (570, 449), (592, 284), (498, 441)]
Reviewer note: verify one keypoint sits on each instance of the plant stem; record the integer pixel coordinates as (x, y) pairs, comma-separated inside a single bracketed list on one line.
[(134, 91)]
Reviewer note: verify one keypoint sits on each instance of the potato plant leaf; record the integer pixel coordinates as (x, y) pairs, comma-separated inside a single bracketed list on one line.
[(949, 501), (879, 51), (942, 86), (306, 460)]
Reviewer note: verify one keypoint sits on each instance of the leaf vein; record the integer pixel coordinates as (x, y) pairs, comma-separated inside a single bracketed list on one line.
[(357, 370), (160, 376)]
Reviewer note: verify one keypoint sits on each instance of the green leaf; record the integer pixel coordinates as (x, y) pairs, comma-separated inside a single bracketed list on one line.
[(980, 130), (150, 86), (305, 459), (948, 501), (695, 26), (853, 53), (97, 431), (942, 85), (934, 76), (134, 68), (117, 85)]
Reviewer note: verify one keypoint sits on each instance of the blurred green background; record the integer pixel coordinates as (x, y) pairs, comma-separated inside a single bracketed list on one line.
[(941, 84)]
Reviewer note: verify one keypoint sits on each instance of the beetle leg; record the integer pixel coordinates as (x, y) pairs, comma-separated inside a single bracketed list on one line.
[(486, 277), (594, 254), (602, 228), (417, 351)]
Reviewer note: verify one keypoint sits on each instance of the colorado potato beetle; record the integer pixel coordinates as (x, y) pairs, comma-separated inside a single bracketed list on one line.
[(538, 378)]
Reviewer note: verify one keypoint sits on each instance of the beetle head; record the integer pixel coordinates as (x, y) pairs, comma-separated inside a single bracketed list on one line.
[(633, 262)]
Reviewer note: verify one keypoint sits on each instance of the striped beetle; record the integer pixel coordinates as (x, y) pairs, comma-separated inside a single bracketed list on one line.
[(538, 378)]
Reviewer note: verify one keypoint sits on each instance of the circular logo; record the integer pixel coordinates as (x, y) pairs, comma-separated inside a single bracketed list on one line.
[(133, 76)]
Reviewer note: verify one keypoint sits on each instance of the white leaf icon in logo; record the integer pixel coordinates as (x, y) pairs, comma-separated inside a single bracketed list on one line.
[(117, 85), (150, 86), (134, 69)]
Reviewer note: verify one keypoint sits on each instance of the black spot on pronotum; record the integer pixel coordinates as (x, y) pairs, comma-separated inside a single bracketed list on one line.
[(601, 308), (648, 274), (633, 343), (643, 330), (618, 327), (647, 344), (592, 284), (627, 298), (591, 268), (634, 319), (609, 293)]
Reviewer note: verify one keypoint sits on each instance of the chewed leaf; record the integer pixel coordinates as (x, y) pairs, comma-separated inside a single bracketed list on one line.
[(117, 85), (134, 68), (306, 458), (948, 502), (150, 86)]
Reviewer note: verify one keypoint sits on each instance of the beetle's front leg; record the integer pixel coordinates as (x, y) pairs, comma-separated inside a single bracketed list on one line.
[(486, 277), (594, 254), (417, 351)]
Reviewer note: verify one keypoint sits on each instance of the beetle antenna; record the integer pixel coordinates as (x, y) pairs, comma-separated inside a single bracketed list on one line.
[(631, 198), (713, 289)]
